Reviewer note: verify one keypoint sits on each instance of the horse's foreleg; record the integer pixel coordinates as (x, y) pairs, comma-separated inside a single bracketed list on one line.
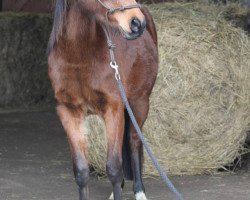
[(140, 109), (72, 119), (114, 120)]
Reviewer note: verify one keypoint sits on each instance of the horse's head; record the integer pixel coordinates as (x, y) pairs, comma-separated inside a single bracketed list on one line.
[(126, 14)]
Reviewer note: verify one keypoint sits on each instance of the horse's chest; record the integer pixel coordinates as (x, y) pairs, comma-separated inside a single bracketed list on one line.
[(74, 87)]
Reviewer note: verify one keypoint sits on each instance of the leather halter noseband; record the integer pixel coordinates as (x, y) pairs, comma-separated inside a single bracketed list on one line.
[(121, 8)]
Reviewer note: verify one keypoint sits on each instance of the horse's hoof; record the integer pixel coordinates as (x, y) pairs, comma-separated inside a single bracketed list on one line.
[(140, 196)]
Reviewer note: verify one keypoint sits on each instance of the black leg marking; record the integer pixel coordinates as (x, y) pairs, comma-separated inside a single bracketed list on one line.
[(82, 177), (115, 175)]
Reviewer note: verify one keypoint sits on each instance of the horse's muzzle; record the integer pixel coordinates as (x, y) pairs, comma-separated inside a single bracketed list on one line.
[(137, 27)]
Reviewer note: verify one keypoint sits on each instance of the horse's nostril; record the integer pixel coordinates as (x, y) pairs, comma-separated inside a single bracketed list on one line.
[(135, 25)]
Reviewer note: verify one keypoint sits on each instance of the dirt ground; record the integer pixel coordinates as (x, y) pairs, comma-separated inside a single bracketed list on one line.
[(35, 164)]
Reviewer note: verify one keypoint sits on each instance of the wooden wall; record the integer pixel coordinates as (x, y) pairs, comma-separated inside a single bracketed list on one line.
[(37, 6), (42, 6)]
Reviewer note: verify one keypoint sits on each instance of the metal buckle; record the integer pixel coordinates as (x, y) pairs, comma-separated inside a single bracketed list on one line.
[(116, 68)]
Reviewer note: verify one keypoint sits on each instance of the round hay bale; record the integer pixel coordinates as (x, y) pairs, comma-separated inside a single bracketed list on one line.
[(200, 104)]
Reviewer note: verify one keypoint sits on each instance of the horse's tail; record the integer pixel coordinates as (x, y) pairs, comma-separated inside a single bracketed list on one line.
[(126, 150)]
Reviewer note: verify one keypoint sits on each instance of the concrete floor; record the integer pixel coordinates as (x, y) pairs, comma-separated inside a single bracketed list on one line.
[(35, 164)]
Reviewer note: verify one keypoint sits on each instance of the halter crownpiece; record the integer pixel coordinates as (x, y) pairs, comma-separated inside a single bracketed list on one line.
[(121, 8)]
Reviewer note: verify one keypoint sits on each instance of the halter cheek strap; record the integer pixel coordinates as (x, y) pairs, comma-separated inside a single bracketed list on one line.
[(121, 8)]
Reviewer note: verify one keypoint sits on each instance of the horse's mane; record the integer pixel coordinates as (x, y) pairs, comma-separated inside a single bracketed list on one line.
[(61, 7)]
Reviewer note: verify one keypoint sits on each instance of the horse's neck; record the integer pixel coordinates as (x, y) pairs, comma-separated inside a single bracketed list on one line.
[(80, 26), (81, 38)]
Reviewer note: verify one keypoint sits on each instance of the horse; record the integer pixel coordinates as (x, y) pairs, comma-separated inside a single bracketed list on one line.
[(84, 83)]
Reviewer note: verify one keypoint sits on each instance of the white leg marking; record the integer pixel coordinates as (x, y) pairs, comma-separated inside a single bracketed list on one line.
[(111, 196), (140, 196)]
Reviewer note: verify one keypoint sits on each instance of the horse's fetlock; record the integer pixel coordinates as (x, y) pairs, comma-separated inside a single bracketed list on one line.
[(115, 173), (82, 177), (138, 187)]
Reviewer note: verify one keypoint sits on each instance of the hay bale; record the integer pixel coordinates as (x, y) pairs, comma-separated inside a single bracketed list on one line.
[(200, 104), (23, 61)]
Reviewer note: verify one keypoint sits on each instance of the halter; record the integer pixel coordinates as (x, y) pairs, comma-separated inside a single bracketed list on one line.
[(110, 43), (121, 8)]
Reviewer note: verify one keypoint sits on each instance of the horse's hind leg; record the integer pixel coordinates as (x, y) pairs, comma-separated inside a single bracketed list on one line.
[(114, 120), (72, 118), (140, 108)]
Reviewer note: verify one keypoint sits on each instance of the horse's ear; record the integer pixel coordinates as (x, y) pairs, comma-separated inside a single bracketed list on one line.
[(150, 23)]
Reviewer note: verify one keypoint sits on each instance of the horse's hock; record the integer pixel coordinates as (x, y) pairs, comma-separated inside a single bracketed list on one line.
[(199, 107)]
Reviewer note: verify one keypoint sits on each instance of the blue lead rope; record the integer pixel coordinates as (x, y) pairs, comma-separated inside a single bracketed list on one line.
[(115, 66), (145, 143)]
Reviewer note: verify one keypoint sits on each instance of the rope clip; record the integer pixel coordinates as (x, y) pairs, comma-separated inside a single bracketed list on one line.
[(116, 68)]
